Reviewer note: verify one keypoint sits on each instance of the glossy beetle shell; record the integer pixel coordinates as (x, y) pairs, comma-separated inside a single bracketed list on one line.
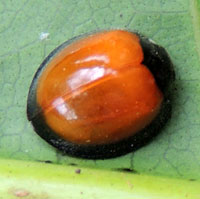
[(102, 95)]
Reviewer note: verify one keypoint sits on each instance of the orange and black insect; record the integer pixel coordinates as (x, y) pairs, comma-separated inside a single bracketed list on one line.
[(102, 95)]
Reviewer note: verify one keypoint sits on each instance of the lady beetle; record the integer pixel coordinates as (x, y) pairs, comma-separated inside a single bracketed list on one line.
[(102, 95)]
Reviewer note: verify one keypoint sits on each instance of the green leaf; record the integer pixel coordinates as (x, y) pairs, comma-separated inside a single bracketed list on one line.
[(19, 179), (31, 29)]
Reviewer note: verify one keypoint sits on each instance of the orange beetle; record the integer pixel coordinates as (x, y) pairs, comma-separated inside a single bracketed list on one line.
[(102, 95)]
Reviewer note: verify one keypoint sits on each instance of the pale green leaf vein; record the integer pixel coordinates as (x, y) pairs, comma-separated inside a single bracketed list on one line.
[(195, 13)]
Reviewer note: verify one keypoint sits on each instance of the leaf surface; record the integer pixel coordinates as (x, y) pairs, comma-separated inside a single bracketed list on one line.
[(31, 29)]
